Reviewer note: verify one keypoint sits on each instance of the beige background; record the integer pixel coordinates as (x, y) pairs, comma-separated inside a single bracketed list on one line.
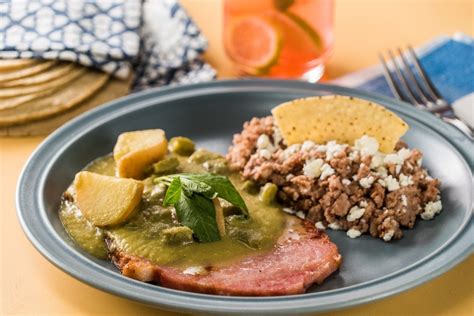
[(32, 286)]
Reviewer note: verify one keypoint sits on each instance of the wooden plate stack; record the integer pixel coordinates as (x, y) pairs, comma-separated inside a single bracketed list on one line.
[(37, 96)]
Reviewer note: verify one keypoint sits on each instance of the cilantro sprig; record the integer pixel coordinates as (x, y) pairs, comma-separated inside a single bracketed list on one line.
[(194, 198)]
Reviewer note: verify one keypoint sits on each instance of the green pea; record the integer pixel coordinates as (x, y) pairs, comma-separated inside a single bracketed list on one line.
[(268, 193), (168, 165), (202, 155), (219, 166), (250, 187), (178, 235), (181, 145)]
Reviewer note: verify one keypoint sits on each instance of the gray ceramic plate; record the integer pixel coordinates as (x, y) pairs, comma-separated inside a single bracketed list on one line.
[(210, 113)]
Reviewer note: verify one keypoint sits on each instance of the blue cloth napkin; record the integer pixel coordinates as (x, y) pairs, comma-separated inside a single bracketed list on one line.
[(156, 38), (448, 61)]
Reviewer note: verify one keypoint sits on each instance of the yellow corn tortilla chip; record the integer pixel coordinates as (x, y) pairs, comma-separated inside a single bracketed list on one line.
[(340, 118)]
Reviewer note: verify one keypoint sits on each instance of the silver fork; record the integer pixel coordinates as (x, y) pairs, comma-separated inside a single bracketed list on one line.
[(418, 90)]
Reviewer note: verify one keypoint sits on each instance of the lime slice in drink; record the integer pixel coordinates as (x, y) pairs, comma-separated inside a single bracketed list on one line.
[(283, 6), (254, 43), (308, 29)]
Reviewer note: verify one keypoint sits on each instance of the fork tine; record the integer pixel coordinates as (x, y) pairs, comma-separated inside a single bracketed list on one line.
[(390, 80), (430, 88), (401, 79), (416, 88)]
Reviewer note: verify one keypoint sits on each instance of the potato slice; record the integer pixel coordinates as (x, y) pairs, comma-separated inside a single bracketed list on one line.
[(106, 200), (134, 151)]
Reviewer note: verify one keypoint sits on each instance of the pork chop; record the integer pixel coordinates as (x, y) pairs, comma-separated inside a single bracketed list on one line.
[(302, 256)]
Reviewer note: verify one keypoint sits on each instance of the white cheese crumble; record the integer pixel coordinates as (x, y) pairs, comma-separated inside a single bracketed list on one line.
[(263, 141), (363, 203), (353, 155), (405, 180), (265, 153), (288, 152), (367, 145), (312, 168), (431, 209), (333, 148), (319, 225), (334, 226), (391, 183), (399, 157), (404, 153), (288, 210), (326, 171), (355, 213), (193, 270), (307, 145), (353, 233), (321, 148), (404, 200), (376, 162), (393, 159), (381, 182), (388, 235), (382, 172), (289, 176), (301, 214), (346, 181), (398, 168), (366, 182), (277, 138)]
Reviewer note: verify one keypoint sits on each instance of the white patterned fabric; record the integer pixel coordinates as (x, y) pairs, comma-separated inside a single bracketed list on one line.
[(156, 37)]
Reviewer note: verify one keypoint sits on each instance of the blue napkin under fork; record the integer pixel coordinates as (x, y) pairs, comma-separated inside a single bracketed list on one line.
[(448, 61)]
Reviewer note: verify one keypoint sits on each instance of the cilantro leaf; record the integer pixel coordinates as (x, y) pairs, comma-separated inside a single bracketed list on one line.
[(222, 185), (192, 186), (198, 213), (173, 194), (192, 196)]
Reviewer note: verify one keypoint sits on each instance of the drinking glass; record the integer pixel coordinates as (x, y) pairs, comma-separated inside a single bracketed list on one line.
[(279, 38)]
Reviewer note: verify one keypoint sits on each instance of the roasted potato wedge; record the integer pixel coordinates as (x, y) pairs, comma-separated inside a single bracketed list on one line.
[(106, 200), (136, 150)]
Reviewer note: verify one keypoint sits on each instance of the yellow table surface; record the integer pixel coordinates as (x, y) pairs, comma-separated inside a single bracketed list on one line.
[(31, 285)]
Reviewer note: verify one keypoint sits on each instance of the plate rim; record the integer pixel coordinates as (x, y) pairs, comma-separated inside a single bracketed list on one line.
[(202, 302)]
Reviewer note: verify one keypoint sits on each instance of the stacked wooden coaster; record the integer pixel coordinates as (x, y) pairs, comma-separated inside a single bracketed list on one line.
[(37, 96)]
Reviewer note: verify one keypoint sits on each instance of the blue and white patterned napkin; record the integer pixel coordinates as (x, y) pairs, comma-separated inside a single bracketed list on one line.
[(154, 37), (448, 61)]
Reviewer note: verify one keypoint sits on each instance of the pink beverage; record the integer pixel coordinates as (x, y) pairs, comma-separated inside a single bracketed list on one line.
[(279, 38)]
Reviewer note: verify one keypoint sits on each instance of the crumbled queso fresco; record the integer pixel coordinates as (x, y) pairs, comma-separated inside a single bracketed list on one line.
[(353, 188)]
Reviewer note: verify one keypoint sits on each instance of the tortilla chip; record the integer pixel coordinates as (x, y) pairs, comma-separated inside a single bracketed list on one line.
[(340, 118), (17, 73), (65, 98), (7, 64), (51, 84), (113, 89), (41, 77)]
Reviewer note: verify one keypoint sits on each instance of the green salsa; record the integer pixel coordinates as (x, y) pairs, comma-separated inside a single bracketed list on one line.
[(154, 232)]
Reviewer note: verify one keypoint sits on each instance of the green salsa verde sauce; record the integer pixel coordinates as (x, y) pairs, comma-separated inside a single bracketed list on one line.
[(143, 234)]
